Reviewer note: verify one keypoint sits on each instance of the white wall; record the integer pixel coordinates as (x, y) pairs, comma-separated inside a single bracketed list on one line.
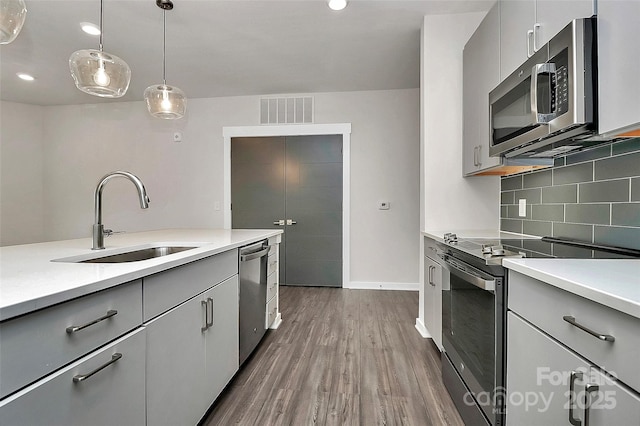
[(185, 180), (448, 201), (21, 169)]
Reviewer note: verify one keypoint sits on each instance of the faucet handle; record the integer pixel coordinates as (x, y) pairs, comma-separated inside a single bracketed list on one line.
[(110, 232)]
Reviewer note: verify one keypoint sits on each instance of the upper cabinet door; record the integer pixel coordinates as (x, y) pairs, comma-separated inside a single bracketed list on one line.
[(481, 73), (527, 25), (618, 66), (517, 18)]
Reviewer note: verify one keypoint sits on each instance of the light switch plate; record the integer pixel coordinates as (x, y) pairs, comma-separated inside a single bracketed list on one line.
[(522, 207)]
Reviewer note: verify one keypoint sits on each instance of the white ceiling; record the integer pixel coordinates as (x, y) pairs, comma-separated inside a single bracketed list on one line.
[(225, 48)]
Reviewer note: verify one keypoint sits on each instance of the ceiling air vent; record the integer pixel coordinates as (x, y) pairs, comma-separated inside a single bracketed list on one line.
[(286, 110)]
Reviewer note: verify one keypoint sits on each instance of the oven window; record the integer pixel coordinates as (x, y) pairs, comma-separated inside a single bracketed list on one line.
[(512, 113), (470, 327)]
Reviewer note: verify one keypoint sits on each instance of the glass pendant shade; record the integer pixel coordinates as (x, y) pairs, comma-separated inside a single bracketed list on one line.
[(165, 101), (100, 74), (12, 16)]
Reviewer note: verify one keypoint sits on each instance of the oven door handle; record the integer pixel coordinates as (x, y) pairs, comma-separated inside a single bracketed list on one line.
[(476, 280)]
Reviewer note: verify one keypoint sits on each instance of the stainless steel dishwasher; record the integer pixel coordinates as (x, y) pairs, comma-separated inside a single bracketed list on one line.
[(253, 296)]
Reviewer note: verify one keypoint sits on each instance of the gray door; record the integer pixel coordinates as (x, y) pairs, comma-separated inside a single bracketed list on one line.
[(296, 179)]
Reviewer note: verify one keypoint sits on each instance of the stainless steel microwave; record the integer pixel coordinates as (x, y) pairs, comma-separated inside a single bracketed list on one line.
[(548, 106)]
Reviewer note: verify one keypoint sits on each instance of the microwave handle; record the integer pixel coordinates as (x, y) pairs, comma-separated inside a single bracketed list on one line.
[(546, 68)]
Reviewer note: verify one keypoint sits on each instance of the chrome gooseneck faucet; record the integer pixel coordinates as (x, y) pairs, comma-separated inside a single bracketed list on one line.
[(98, 227)]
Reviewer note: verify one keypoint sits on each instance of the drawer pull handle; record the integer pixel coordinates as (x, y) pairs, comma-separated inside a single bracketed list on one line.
[(74, 328), (572, 396), (82, 377), (605, 337)]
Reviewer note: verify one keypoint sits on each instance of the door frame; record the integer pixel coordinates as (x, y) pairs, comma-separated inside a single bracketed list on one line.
[(343, 129)]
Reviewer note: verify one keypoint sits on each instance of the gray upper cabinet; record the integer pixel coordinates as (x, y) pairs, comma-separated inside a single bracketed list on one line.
[(526, 25), (618, 66), (481, 73)]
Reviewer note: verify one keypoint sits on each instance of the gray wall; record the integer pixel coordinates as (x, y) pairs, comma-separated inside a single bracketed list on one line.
[(592, 195)]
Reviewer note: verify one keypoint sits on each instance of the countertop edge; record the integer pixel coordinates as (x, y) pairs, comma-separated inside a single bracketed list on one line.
[(614, 301), (146, 268)]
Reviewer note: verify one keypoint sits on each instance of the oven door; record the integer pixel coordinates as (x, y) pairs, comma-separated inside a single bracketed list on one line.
[(472, 321)]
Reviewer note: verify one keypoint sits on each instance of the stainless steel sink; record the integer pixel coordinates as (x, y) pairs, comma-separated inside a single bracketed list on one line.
[(136, 255)]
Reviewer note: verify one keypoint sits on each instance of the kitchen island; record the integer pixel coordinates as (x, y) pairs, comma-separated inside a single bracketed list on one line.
[(145, 342)]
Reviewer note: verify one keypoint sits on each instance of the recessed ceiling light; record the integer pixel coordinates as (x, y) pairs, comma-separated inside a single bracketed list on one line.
[(337, 4), (90, 28), (25, 77)]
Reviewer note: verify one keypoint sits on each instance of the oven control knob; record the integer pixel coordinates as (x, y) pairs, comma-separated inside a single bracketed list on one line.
[(486, 249), (497, 251)]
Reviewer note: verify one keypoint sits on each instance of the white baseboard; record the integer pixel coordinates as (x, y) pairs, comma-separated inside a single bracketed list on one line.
[(276, 322), (422, 329), (365, 285)]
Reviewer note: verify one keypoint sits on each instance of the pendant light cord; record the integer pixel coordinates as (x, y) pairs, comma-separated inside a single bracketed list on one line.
[(164, 47), (101, 25)]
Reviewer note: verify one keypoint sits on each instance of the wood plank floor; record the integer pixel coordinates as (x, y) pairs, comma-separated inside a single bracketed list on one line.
[(340, 357)]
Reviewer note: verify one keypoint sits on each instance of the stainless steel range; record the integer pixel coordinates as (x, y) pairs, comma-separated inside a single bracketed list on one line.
[(474, 294)]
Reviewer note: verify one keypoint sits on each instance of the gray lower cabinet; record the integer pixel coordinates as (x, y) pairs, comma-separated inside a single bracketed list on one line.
[(570, 360), (192, 353), (433, 297), (106, 387)]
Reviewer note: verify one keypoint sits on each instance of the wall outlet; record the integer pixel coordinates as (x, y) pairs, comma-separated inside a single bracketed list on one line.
[(522, 207), (384, 205)]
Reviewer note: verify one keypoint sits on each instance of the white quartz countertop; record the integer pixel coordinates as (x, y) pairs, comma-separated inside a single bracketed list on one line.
[(611, 282), (30, 280)]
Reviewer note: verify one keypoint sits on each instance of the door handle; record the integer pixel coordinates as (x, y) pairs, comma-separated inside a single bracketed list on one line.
[(536, 27), (291, 222), (529, 37), (572, 397), (205, 305), (538, 69), (210, 305), (279, 222)]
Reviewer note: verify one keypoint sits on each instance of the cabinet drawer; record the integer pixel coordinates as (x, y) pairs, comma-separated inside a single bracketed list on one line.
[(272, 286), (38, 343), (272, 263), (545, 306), (114, 395), (167, 289), (272, 311)]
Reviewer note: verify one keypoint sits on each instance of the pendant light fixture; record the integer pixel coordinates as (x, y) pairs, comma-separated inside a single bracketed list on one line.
[(99, 73), (163, 101), (12, 16)]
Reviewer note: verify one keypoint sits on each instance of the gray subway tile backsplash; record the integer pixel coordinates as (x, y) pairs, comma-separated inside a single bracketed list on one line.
[(618, 236), (625, 214), (588, 213), (609, 190), (550, 212), (591, 154), (626, 165), (537, 180), (560, 194), (571, 230), (533, 196), (534, 227), (573, 174), (635, 189), (591, 196)]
